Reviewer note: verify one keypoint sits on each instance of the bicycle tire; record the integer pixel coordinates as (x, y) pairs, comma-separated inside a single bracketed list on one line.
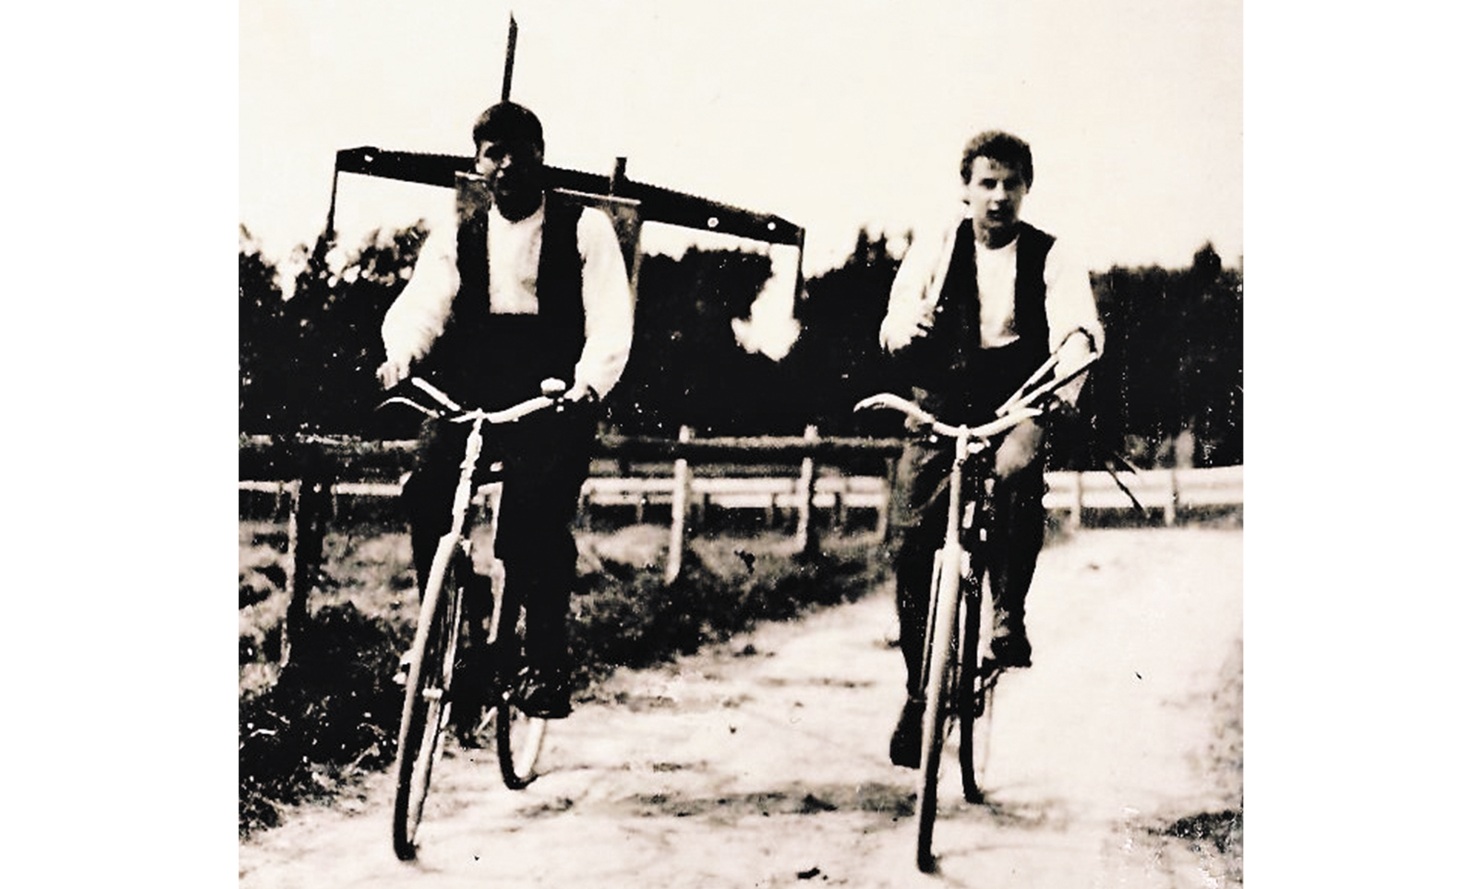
[(942, 613), (518, 739), (976, 681), (426, 703)]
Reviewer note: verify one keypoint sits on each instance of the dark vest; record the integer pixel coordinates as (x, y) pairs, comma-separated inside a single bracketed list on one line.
[(963, 381), (494, 360)]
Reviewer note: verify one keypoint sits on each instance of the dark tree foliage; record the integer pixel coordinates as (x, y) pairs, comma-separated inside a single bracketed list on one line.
[(1173, 364), (837, 359), (686, 367), (1168, 389), (262, 397), (321, 346)]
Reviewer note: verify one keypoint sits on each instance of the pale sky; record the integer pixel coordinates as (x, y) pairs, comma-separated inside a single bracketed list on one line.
[(832, 114)]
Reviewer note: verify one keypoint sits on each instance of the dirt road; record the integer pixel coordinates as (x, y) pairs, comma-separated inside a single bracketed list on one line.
[(762, 762)]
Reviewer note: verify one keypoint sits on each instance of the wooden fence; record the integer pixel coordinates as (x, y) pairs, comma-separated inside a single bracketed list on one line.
[(790, 476)]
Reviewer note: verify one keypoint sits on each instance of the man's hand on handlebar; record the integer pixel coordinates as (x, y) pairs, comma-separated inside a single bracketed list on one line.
[(904, 328), (1076, 349), (580, 393), (392, 371)]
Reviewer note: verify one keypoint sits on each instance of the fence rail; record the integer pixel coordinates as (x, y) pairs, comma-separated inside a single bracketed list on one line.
[(374, 469), (782, 475)]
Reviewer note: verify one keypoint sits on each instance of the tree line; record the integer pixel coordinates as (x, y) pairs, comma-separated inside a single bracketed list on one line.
[(1168, 388)]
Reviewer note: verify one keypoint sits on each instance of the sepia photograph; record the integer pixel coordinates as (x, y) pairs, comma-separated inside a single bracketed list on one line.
[(741, 445)]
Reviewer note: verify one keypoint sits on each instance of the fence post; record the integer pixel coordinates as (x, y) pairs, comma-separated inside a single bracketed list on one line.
[(882, 519), (311, 502), (1078, 490), (283, 501), (807, 533), (1170, 512), (679, 512)]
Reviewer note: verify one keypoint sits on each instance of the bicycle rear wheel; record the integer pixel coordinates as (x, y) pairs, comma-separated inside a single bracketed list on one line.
[(946, 588), (518, 738), (976, 680), (424, 711)]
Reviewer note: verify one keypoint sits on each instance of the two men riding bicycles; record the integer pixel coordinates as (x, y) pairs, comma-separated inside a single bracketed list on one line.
[(526, 285), (990, 322)]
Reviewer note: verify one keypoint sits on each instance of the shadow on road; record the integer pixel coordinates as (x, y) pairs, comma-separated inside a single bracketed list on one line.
[(887, 803)]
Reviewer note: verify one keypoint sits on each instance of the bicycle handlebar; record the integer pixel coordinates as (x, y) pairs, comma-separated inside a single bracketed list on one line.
[(949, 430), (1021, 406), (455, 413)]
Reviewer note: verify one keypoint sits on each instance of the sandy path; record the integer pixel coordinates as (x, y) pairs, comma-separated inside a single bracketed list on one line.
[(762, 762)]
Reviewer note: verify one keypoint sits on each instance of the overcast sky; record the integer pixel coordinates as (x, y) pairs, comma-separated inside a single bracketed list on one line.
[(832, 114)]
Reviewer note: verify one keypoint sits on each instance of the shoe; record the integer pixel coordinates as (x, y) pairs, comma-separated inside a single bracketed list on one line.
[(543, 694), (905, 741), (1011, 648)]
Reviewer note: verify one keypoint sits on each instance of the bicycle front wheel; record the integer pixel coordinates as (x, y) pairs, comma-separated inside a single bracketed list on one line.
[(939, 667), (424, 711)]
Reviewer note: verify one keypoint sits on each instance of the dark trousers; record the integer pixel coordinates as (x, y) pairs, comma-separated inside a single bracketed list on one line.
[(546, 458), (1015, 533)]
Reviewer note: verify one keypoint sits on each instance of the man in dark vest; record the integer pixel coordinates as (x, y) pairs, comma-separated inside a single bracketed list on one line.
[(522, 284), (974, 310)]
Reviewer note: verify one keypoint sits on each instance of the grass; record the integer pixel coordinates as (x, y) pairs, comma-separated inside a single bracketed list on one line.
[(330, 716)]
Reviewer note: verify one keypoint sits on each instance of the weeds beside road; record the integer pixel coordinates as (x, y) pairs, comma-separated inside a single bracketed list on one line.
[(330, 717)]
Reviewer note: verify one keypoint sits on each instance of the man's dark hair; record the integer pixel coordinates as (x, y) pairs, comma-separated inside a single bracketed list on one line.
[(509, 121), (1007, 149)]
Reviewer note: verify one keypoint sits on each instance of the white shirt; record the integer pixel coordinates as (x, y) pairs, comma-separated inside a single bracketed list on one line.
[(418, 316), (1069, 303)]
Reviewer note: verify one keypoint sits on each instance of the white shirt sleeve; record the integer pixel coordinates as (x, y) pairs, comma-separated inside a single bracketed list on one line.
[(1070, 307), (916, 287), (417, 316), (608, 302)]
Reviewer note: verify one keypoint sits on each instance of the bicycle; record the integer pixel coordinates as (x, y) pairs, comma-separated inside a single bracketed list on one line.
[(960, 684), (448, 625)]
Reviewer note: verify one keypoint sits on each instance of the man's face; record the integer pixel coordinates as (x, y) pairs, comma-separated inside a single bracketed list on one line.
[(513, 169), (993, 193)]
